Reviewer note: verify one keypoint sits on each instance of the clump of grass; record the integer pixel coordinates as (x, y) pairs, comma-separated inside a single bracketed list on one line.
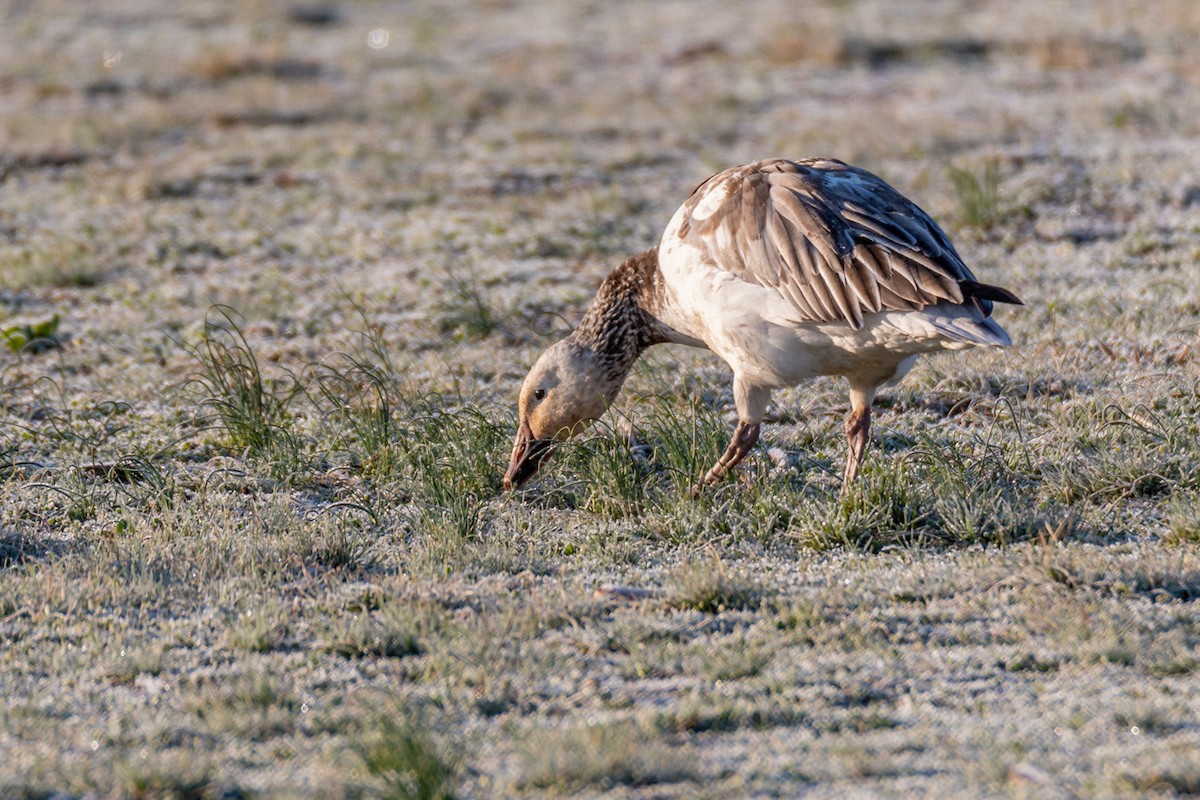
[(612, 479), (10, 456), (660, 656), (608, 480), (978, 192), (1168, 780), (1032, 662), (646, 649), (800, 614), (1138, 452), (736, 658), (340, 543), (360, 396), (363, 394), (88, 429), (1176, 665), (496, 701), (977, 497), (392, 632), (617, 474), (709, 587), (57, 261), (465, 308), (450, 457), (260, 629), (1183, 518), (1173, 582), (448, 529), (407, 763), (442, 451), (601, 757), (705, 713), (1093, 633), (86, 438), (882, 507), (439, 452), (252, 408), (857, 720), (1148, 718), (173, 775), (80, 499), (254, 703), (139, 481), (134, 661), (684, 442), (1162, 578), (451, 450)]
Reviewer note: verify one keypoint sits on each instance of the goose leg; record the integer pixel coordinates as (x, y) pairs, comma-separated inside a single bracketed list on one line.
[(751, 402), (858, 432), (744, 437)]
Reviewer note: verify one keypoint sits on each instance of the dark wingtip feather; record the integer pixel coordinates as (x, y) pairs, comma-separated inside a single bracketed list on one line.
[(982, 291)]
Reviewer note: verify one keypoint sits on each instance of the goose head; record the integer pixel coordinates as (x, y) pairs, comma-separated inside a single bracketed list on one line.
[(569, 387)]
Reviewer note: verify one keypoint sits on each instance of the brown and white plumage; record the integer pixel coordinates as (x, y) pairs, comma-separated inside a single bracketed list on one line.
[(785, 269), (834, 240)]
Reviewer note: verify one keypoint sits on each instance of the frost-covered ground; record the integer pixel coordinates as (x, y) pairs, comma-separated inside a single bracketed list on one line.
[(294, 260)]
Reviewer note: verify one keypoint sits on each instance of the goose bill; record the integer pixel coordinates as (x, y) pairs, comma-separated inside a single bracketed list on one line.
[(527, 455)]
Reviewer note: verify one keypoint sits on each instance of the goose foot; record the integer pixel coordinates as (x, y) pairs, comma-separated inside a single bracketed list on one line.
[(743, 439)]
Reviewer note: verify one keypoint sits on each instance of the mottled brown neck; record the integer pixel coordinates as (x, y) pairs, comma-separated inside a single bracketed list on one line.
[(621, 322)]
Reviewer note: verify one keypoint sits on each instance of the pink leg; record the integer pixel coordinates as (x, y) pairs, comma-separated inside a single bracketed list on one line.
[(858, 434), (744, 437)]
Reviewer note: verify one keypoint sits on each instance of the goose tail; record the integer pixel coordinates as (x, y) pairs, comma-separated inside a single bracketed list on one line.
[(967, 325)]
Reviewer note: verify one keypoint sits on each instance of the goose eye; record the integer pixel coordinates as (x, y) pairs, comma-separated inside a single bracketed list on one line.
[(539, 394)]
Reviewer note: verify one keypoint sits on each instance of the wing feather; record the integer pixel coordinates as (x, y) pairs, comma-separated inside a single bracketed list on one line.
[(858, 277), (817, 292), (895, 302), (903, 283), (835, 282), (803, 302), (876, 260), (835, 241)]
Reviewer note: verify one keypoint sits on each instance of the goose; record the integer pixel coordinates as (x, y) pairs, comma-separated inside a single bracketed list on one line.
[(785, 269)]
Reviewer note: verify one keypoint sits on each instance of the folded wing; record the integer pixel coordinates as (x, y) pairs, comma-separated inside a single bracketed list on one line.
[(836, 241)]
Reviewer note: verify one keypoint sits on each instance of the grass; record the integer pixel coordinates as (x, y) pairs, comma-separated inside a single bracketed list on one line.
[(1184, 518), (253, 409), (708, 586), (54, 261), (407, 763), (466, 310), (361, 393), (266, 304), (390, 633), (978, 193), (168, 775), (602, 756), (253, 704), (260, 629), (130, 664)]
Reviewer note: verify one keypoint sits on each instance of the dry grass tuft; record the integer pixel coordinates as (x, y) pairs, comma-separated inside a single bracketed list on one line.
[(602, 756)]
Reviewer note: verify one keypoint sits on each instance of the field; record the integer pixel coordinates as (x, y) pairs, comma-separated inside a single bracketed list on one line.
[(271, 274)]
